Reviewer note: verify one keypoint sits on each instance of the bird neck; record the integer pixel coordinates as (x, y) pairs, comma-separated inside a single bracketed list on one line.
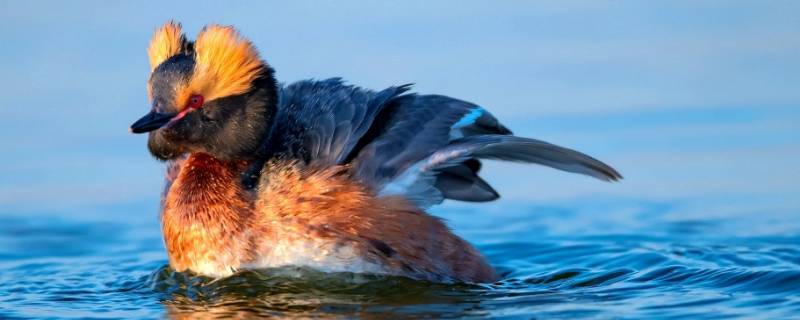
[(265, 95)]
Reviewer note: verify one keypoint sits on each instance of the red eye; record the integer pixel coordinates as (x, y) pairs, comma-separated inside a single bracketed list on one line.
[(195, 102)]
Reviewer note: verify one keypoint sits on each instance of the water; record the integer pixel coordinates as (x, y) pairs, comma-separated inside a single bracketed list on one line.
[(683, 268), (696, 104)]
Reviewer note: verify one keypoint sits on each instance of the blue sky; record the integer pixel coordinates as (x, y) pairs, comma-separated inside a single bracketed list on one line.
[(686, 98)]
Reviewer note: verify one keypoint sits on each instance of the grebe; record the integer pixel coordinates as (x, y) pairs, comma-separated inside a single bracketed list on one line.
[(318, 174)]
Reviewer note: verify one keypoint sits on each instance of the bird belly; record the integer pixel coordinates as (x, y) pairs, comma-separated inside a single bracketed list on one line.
[(322, 254)]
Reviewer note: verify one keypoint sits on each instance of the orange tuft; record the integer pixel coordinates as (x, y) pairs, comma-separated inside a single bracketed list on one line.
[(225, 64), (167, 41)]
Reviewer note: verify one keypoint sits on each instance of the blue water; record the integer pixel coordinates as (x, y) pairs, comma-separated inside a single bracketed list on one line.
[(696, 104)]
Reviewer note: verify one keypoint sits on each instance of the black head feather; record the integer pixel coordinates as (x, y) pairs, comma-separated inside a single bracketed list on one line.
[(227, 128)]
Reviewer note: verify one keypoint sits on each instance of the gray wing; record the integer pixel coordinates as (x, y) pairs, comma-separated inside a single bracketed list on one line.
[(413, 127), (420, 182), (428, 148), (322, 121), (425, 147)]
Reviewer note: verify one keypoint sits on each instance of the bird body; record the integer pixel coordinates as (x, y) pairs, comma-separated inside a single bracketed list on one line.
[(304, 216), (318, 174)]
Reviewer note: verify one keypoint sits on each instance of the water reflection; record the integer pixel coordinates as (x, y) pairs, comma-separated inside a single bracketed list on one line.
[(298, 292)]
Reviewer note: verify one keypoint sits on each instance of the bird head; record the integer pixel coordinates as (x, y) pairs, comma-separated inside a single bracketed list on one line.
[(214, 95)]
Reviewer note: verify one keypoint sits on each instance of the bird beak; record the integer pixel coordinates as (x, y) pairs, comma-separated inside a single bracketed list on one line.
[(151, 121)]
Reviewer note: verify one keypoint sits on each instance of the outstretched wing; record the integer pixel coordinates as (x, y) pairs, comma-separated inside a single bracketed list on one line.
[(418, 182), (414, 126), (426, 148), (321, 122)]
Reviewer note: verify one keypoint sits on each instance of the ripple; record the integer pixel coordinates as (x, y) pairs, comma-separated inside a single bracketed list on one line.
[(568, 276)]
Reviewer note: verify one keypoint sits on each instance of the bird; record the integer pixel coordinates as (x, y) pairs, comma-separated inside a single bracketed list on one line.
[(318, 174)]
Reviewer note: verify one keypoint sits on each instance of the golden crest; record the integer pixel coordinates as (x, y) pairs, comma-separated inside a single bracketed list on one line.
[(225, 63), (167, 41)]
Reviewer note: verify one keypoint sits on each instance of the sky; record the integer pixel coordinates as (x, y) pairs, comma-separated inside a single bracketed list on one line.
[(688, 99)]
